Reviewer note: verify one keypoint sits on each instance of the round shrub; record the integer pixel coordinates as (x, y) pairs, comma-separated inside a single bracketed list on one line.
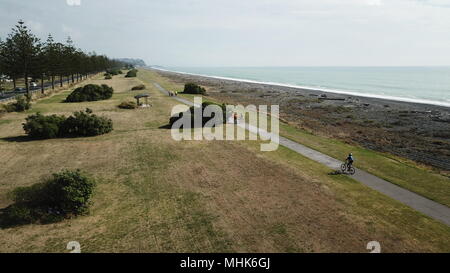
[(191, 112), (138, 87), (90, 92), (108, 77), (192, 88), (132, 73), (83, 124), (113, 72), (69, 192), (40, 126), (65, 194), (128, 105)]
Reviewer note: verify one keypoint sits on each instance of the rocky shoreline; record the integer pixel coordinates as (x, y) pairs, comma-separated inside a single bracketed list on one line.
[(420, 132)]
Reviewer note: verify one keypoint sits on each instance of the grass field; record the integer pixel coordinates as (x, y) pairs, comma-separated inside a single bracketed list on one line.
[(405, 173), (156, 194)]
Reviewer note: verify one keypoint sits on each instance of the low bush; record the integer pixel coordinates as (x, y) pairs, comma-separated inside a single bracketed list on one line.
[(138, 87), (21, 104), (90, 92), (192, 88), (9, 107), (40, 126), (191, 112), (128, 105), (64, 195), (83, 124), (80, 124), (131, 74), (108, 77), (69, 192), (114, 72)]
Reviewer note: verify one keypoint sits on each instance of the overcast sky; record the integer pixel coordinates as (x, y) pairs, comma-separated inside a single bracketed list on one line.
[(246, 32)]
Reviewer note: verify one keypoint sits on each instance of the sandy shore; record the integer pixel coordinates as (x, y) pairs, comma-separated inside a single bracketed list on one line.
[(420, 132)]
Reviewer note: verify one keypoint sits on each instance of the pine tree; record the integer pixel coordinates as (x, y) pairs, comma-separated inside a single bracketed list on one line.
[(22, 52)]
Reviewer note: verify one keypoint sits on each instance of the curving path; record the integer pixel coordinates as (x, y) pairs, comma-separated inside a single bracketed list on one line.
[(424, 205)]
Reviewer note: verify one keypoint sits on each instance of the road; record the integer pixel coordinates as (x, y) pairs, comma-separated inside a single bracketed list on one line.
[(11, 93), (424, 205)]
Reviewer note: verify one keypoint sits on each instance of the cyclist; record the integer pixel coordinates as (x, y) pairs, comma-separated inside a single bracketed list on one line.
[(349, 161)]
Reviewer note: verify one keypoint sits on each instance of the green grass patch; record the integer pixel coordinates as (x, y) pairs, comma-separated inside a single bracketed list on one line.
[(5, 121), (399, 171)]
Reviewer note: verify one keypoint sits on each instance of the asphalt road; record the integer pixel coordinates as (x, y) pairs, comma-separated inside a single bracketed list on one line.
[(11, 93)]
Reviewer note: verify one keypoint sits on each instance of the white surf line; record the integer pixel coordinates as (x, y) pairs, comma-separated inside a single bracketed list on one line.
[(320, 89), (424, 205)]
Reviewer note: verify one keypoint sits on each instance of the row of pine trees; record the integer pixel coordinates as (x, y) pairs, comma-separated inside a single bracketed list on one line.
[(23, 55)]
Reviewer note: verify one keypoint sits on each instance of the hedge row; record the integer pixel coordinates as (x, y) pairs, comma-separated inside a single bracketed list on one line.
[(80, 124)]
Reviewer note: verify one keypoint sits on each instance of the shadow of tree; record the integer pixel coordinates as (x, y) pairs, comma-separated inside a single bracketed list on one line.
[(64, 195), (18, 139), (28, 208), (19, 214)]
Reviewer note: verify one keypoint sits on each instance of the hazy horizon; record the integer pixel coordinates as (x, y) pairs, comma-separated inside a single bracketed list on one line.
[(294, 66), (252, 33)]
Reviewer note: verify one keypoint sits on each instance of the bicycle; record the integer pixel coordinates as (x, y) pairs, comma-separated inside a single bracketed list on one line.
[(347, 169)]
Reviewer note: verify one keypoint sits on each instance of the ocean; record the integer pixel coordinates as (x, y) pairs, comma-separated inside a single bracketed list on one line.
[(430, 85)]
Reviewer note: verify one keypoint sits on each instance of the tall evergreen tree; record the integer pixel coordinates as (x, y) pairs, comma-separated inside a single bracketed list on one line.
[(22, 56), (23, 49), (51, 56), (69, 59), (8, 60), (2, 69)]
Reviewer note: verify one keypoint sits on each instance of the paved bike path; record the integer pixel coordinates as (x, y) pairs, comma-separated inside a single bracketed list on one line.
[(424, 205)]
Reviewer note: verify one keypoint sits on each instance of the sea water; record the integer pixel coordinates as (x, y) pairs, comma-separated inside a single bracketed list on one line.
[(430, 85)]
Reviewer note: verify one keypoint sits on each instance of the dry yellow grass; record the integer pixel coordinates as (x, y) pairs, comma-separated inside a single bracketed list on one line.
[(158, 195)]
